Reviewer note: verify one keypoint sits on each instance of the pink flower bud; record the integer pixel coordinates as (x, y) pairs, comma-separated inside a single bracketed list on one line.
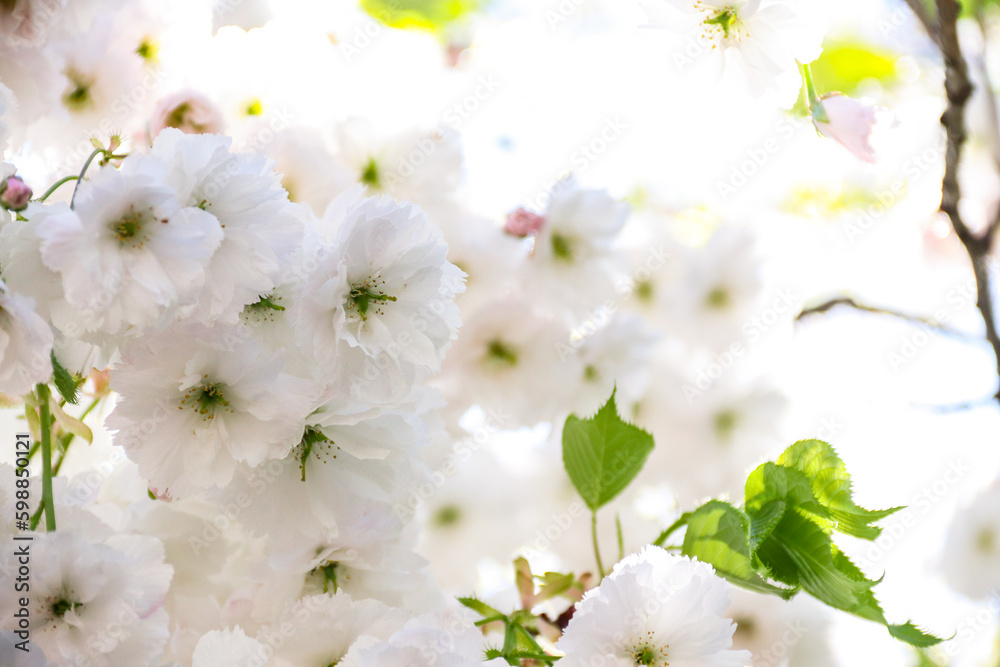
[(14, 194), (849, 122), (523, 222), (187, 110)]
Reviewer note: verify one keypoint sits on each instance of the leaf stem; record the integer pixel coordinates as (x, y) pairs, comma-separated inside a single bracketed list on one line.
[(597, 548), (813, 104), (681, 521), (57, 185), (83, 172), (46, 424)]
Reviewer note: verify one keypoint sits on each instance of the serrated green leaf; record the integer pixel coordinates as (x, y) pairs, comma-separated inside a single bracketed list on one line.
[(718, 534), (68, 423), (603, 454), (764, 521), (831, 484), (552, 584), (64, 381), (480, 607), (770, 482), (912, 635), (868, 607), (808, 546), (871, 610)]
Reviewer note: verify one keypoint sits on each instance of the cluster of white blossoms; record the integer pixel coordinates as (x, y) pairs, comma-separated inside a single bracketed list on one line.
[(311, 340)]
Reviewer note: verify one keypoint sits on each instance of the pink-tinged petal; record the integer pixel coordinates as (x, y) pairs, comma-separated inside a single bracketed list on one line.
[(850, 123)]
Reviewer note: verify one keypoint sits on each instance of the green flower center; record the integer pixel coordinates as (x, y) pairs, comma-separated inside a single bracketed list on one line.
[(644, 656), (562, 247), (126, 228), (725, 423), (499, 353), (446, 516), (313, 440), (148, 50), (644, 291), (60, 607), (77, 97), (254, 108), (718, 298), (724, 20), (206, 399), (370, 174), (986, 541), (363, 294)]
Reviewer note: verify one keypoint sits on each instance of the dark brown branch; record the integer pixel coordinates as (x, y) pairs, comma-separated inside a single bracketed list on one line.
[(920, 11), (913, 319), (959, 89)]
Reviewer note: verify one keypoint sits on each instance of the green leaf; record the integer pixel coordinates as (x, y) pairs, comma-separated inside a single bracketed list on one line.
[(764, 521), (432, 15), (912, 635), (831, 484), (480, 607), (718, 534), (770, 482), (70, 424), (64, 381), (603, 454), (809, 548)]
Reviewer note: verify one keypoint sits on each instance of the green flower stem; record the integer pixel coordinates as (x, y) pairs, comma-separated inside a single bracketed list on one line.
[(57, 185), (597, 548), (83, 172), (45, 418), (813, 103), (681, 521), (621, 537)]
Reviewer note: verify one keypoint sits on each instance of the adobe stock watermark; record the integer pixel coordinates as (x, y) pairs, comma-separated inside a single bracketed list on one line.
[(921, 505), (753, 330), (959, 298), (454, 117), (913, 169), (757, 157), (462, 451), (601, 315), (581, 159)]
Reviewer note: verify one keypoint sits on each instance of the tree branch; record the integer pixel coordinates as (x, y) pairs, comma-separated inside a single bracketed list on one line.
[(920, 11), (852, 303), (959, 89)]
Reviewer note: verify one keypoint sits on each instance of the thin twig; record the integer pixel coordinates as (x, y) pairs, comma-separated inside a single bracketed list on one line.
[(959, 90), (964, 406), (913, 319)]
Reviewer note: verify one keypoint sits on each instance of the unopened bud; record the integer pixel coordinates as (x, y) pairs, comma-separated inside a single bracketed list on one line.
[(14, 194), (523, 223)]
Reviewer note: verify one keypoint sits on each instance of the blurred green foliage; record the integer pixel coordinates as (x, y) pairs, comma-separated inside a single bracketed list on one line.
[(430, 15)]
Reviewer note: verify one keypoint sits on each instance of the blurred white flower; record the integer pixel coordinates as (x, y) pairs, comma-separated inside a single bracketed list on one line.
[(442, 639), (317, 630), (971, 562), (762, 39), (654, 609), (570, 267), (513, 359), (25, 344), (189, 111)]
